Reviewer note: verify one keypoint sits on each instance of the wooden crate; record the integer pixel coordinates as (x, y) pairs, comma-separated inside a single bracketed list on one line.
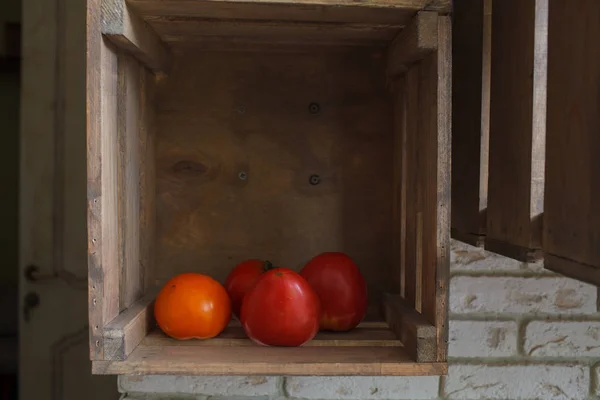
[(206, 120), (541, 181)]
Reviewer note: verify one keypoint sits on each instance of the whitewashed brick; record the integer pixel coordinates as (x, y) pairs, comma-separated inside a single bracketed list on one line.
[(209, 385), (563, 339), (464, 257), (363, 387), (475, 382), (482, 338), (521, 295)]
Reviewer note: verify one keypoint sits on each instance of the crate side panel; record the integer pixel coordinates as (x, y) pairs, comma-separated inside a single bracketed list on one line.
[(471, 47), (237, 143), (572, 215), (517, 129), (102, 154)]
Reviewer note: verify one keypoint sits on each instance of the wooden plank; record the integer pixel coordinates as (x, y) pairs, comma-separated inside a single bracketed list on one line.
[(517, 128), (123, 334), (128, 117), (178, 359), (412, 202), (210, 218), (414, 43), (572, 216), (101, 127), (435, 115), (415, 332), (344, 11), (235, 336), (471, 55), (400, 182), (175, 29), (128, 32), (147, 193)]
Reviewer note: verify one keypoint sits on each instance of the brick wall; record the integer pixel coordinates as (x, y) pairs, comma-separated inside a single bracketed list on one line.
[(516, 332)]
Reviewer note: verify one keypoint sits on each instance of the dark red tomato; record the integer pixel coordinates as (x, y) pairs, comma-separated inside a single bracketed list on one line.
[(241, 279), (341, 288), (281, 310)]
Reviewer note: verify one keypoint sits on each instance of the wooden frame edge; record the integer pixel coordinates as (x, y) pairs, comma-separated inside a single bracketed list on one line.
[(513, 251), (133, 35), (415, 332), (281, 369), (572, 269), (123, 334), (417, 40)]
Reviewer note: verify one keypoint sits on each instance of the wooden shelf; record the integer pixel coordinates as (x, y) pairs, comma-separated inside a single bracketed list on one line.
[(371, 349), (136, 345)]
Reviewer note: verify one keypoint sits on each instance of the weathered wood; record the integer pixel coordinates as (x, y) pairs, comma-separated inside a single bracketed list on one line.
[(413, 206), (177, 29), (415, 332), (235, 336), (471, 54), (400, 95), (147, 191), (131, 284), (101, 126), (414, 43), (210, 219), (517, 128), (127, 31), (340, 11), (178, 359), (572, 195), (123, 334), (435, 100)]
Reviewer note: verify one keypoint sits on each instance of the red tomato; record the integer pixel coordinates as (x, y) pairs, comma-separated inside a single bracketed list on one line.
[(241, 279), (341, 288), (281, 310)]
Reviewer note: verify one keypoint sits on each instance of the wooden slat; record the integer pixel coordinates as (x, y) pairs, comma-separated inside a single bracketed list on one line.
[(127, 31), (235, 336), (414, 43), (572, 194), (517, 128), (126, 331), (178, 359), (131, 284), (435, 138), (342, 11), (400, 178), (176, 29), (412, 202), (101, 126), (147, 190), (415, 332), (471, 51)]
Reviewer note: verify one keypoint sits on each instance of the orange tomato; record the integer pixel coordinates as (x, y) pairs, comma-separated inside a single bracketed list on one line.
[(192, 306)]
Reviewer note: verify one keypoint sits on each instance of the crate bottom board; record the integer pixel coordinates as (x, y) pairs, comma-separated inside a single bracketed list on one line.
[(370, 349)]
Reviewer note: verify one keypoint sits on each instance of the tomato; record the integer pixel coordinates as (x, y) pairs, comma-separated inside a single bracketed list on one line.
[(192, 305), (281, 310), (341, 288), (242, 278)]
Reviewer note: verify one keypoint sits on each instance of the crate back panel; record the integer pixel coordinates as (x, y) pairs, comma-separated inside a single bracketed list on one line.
[(239, 136)]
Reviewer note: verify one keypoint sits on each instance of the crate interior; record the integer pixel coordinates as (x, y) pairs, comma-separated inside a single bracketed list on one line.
[(274, 136)]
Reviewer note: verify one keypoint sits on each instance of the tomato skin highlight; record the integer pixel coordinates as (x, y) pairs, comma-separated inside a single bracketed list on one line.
[(242, 278), (341, 288), (281, 310), (192, 306)]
